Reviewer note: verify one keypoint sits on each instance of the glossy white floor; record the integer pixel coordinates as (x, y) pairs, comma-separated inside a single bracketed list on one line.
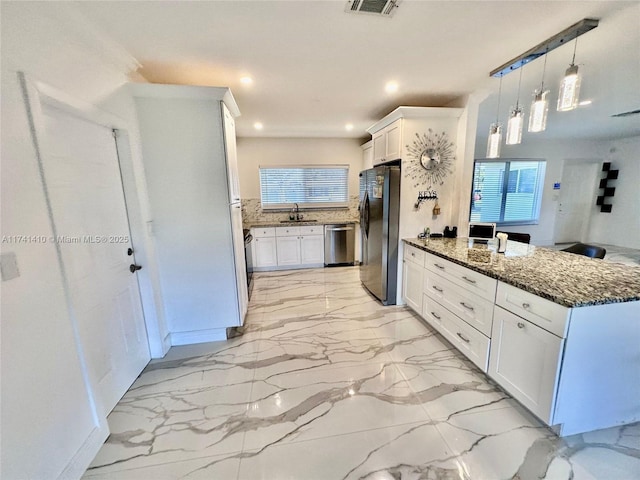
[(328, 384)]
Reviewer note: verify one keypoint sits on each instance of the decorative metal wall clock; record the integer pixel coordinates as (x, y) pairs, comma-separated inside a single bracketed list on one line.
[(431, 159)]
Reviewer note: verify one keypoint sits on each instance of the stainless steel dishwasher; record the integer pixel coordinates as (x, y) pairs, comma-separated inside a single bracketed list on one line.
[(339, 240)]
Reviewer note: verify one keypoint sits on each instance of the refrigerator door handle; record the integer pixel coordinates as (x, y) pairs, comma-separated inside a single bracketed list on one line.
[(366, 215)]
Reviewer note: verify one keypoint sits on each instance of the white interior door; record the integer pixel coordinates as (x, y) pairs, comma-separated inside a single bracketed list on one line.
[(82, 173), (576, 200)]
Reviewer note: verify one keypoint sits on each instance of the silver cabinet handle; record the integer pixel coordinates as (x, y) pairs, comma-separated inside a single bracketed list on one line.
[(525, 305), (463, 337), (438, 317), (437, 289), (469, 307), (438, 266), (520, 325), (469, 280)]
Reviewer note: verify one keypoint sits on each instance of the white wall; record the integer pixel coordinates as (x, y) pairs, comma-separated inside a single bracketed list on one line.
[(622, 226), (254, 152), (49, 426)]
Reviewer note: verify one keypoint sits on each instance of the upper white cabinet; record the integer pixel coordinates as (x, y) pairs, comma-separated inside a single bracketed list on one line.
[(188, 148), (367, 155), (387, 143)]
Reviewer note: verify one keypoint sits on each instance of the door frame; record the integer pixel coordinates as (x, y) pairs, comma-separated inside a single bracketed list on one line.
[(576, 162), (37, 94)]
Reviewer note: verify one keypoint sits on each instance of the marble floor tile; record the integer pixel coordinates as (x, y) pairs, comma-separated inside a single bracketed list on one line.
[(323, 382)]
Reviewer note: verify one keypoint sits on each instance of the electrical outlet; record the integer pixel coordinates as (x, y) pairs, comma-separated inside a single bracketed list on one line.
[(9, 266)]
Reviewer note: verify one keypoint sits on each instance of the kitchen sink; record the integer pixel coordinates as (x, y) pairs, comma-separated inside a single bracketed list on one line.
[(297, 221)]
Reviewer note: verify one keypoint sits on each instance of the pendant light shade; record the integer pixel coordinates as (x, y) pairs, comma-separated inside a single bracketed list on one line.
[(514, 126), (494, 143), (569, 89), (516, 119), (539, 110)]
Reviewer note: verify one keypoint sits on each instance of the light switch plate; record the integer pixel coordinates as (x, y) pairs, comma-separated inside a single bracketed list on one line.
[(9, 266)]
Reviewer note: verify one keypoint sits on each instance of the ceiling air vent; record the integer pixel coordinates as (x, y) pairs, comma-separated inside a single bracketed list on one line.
[(378, 7)]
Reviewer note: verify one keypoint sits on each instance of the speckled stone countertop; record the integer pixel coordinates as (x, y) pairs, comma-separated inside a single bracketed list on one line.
[(298, 224), (564, 278)]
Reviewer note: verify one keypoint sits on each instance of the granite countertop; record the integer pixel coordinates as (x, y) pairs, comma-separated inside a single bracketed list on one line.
[(565, 278), (300, 223)]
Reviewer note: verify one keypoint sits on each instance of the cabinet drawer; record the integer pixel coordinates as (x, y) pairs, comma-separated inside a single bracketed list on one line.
[(287, 231), (413, 254), (473, 309), (432, 312), (311, 230), (473, 281), (263, 232), (548, 315), (473, 344)]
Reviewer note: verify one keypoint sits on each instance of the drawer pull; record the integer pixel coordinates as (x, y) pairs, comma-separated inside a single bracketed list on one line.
[(520, 325), (469, 280), (437, 289), (436, 316), (438, 266), (463, 337), (525, 305), (469, 307)]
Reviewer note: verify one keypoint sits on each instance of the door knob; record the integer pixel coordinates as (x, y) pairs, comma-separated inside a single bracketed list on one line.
[(129, 251), (133, 268)]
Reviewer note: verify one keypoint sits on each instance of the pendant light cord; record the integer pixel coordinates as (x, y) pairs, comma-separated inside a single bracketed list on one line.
[(544, 69), (575, 45), (499, 95), (519, 83)]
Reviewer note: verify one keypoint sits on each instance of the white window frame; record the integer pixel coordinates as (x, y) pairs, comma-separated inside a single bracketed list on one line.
[(538, 194), (301, 204)]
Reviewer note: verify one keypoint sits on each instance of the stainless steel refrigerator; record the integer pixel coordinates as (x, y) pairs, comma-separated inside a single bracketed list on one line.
[(379, 220)]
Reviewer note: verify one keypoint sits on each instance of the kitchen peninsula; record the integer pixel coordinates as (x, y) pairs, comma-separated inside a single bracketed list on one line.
[(560, 332)]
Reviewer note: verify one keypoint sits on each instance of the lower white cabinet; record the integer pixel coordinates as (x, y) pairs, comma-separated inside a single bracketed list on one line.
[(312, 249), (412, 280), (525, 361), (288, 247)]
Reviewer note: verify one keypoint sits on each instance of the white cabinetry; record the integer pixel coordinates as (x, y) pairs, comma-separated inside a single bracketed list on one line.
[(264, 247), (288, 247), (525, 361), (412, 275), (387, 143), (188, 148)]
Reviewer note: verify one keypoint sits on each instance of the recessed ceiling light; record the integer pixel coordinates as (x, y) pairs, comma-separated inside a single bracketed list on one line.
[(585, 102), (246, 80), (391, 87), (348, 127), (258, 126)]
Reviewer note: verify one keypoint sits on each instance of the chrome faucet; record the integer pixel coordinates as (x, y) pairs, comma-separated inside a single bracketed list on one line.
[(296, 209)]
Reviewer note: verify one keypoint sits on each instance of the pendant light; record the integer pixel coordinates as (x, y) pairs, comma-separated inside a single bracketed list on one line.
[(539, 106), (570, 85), (494, 143), (516, 119)]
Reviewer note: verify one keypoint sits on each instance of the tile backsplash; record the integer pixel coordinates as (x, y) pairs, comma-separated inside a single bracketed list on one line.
[(252, 213)]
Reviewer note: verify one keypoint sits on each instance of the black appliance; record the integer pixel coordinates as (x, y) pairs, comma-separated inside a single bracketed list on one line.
[(248, 238)]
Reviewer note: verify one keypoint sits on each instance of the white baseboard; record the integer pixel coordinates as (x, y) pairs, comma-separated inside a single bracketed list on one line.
[(198, 336), (78, 465)]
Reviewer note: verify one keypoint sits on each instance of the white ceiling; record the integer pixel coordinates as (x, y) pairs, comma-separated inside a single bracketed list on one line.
[(316, 67)]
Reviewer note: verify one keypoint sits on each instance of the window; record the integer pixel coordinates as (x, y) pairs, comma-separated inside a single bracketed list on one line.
[(317, 186), (507, 192)]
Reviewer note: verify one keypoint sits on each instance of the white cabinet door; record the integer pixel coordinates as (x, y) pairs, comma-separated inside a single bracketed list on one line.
[(525, 361), (412, 281), (264, 252), (394, 140), (379, 147), (240, 262), (312, 249), (288, 249), (232, 156)]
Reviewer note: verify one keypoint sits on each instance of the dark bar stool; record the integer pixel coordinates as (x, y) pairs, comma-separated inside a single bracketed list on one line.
[(587, 250)]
